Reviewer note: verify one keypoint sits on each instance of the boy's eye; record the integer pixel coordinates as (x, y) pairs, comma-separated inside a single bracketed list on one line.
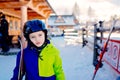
[(40, 35), (32, 36)]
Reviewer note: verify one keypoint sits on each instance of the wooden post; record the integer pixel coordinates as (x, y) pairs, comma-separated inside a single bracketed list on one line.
[(23, 20), (95, 52), (101, 30), (46, 23)]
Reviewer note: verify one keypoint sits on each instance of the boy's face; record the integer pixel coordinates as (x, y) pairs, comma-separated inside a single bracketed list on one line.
[(37, 38)]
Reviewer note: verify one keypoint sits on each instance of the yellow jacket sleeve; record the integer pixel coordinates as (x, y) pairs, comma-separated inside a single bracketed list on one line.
[(58, 68)]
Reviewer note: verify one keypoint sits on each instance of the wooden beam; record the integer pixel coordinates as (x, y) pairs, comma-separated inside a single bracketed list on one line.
[(11, 12), (12, 0), (35, 8), (42, 4), (8, 0), (48, 14), (4, 5), (36, 17)]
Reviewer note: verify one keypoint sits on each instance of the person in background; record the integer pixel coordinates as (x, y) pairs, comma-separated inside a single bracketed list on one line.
[(4, 33), (41, 59)]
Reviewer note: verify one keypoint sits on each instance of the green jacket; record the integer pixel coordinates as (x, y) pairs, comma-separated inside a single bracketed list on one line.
[(46, 67), (51, 63)]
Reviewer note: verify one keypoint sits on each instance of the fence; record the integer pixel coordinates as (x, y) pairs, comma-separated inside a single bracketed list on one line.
[(72, 36), (97, 38)]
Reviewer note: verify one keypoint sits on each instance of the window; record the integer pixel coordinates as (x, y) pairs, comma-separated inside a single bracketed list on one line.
[(11, 24), (16, 25)]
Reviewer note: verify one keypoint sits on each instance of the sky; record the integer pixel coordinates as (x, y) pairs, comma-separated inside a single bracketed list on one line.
[(103, 9)]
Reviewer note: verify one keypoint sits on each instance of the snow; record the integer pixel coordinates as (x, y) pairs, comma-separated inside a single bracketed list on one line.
[(77, 63), (7, 64)]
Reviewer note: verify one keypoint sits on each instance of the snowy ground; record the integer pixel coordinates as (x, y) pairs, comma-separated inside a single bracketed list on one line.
[(77, 63)]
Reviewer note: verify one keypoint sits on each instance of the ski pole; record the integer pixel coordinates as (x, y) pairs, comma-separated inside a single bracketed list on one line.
[(99, 62), (21, 60), (103, 51)]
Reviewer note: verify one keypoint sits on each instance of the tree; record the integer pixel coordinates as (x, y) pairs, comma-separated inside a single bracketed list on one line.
[(76, 11), (91, 12)]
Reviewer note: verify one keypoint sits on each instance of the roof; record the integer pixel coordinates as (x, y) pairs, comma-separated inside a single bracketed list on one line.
[(57, 20), (35, 8)]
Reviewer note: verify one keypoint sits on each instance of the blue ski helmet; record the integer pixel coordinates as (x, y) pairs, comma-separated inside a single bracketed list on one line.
[(33, 26)]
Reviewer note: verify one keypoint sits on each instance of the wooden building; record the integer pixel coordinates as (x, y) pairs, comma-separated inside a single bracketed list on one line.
[(19, 11), (61, 21)]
